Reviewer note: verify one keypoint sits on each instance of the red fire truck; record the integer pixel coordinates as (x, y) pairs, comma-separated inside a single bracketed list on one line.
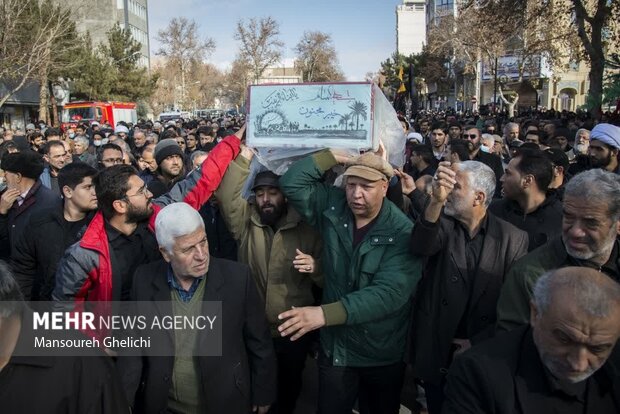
[(85, 112)]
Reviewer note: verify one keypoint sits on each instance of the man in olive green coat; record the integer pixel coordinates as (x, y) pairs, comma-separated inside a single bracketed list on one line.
[(369, 279), (282, 252)]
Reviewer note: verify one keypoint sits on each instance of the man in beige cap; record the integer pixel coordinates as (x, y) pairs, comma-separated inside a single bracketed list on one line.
[(369, 277)]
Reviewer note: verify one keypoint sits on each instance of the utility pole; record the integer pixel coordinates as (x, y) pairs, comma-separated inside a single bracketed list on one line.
[(495, 89)]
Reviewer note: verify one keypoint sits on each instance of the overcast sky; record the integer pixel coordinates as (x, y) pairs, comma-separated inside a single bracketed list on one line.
[(364, 32)]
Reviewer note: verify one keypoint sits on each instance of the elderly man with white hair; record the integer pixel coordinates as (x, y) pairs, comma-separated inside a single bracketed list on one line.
[(468, 252), (243, 378)]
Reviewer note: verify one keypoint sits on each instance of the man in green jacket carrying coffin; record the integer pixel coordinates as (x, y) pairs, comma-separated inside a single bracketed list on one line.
[(369, 277)]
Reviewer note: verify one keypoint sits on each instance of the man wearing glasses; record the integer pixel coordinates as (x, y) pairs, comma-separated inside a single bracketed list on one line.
[(109, 155), (101, 265), (472, 134)]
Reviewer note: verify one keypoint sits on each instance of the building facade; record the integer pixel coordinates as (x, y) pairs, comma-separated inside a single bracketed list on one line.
[(410, 27), (99, 16), (281, 74), (436, 9)]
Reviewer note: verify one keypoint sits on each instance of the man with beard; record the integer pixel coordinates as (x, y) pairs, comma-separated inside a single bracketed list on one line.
[(118, 239), (525, 202), (138, 143), (468, 252), (170, 161), (578, 155), (439, 140), (472, 134), (604, 147), (54, 154), (511, 132), (37, 140), (454, 131), (425, 131), (42, 244), (561, 363), (590, 229), (282, 251)]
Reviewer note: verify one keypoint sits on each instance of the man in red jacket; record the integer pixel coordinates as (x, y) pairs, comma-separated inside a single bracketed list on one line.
[(101, 265)]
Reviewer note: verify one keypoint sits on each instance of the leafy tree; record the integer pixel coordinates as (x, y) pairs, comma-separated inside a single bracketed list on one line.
[(260, 47), (94, 77), (429, 69), (123, 51), (317, 58), (111, 72)]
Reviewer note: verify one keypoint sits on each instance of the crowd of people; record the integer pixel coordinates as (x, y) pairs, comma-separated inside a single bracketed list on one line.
[(488, 264)]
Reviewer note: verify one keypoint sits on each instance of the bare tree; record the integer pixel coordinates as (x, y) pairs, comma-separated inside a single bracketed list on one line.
[(486, 30), (260, 46), (29, 29), (183, 49), (317, 58), (597, 26), (236, 81), (60, 60)]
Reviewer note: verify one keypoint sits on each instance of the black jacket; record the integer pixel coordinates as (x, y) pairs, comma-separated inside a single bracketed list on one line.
[(60, 385), (14, 222), (243, 376), (541, 225), (445, 296), (506, 376), (495, 163), (221, 243), (38, 251)]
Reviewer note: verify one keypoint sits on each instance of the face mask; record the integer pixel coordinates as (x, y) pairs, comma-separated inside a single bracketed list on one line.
[(97, 143), (71, 135)]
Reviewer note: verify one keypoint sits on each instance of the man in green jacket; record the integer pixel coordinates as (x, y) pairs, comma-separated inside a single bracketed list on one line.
[(281, 250), (369, 279)]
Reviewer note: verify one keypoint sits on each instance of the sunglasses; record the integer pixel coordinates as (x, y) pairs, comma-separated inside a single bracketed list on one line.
[(473, 136)]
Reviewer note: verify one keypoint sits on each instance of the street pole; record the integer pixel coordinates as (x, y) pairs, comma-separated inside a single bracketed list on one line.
[(495, 89)]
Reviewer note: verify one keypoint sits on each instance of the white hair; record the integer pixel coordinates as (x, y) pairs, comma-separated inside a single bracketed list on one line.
[(487, 139), (176, 220), (580, 130), (510, 125), (480, 178), (82, 140)]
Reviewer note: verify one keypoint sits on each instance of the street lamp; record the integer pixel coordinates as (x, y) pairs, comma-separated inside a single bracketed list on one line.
[(127, 57)]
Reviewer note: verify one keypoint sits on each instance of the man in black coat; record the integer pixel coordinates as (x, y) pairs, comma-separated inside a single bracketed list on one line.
[(23, 197), (243, 378), (39, 248), (469, 251), (473, 135), (48, 383), (564, 363), (526, 203)]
